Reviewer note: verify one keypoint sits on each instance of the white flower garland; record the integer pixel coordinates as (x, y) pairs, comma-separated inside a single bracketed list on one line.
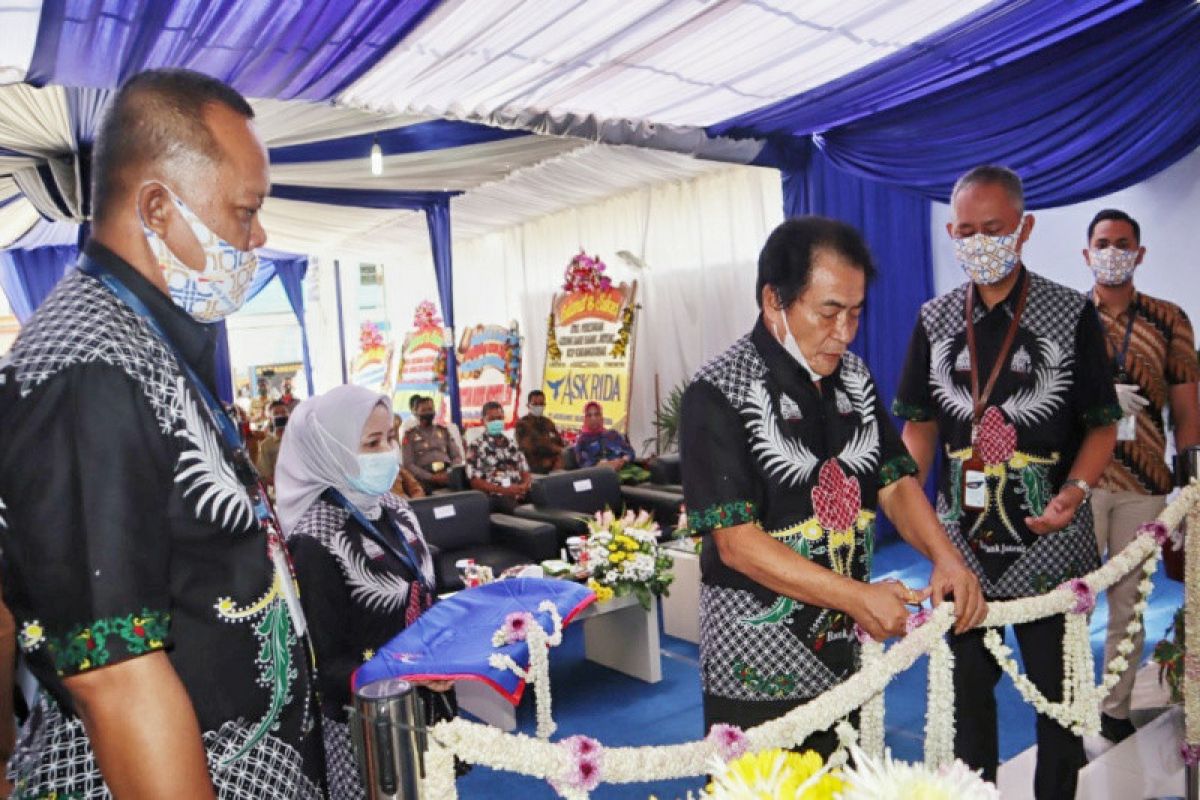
[(538, 674), (870, 715), (939, 707), (481, 744)]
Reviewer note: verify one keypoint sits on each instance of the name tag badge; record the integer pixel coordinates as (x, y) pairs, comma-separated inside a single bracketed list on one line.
[(974, 488), (443, 512), (584, 485), (1127, 428)]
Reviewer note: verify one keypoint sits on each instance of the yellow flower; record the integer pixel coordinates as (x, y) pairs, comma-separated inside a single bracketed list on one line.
[(368, 654), (617, 557), (812, 530), (603, 593), (778, 774), (1019, 461)]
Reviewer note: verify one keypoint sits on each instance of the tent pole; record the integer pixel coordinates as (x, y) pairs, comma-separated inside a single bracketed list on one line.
[(337, 284)]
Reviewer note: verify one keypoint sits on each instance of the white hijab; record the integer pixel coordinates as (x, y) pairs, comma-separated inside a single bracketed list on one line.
[(320, 450)]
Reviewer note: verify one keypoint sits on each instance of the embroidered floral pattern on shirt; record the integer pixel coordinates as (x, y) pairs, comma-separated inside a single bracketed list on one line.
[(90, 646), (723, 515), (32, 635)]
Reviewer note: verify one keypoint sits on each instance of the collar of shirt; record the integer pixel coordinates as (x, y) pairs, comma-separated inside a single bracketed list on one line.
[(1009, 303), (1106, 314), (195, 342), (791, 376)]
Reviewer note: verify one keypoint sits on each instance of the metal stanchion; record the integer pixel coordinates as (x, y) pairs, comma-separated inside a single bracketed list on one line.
[(387, 726), (1193, 783)]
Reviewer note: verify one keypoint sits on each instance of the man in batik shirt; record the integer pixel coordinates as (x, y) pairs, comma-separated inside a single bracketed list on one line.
[(149, 583), (495, 465), (786, 452), (538, 436), (1007, 374), (1150, 344)]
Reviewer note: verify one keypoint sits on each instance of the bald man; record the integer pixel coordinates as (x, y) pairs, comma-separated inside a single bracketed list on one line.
[(147, 578)]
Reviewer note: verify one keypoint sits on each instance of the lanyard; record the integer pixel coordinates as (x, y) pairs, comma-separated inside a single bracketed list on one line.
[(979, 398), (404, 552), (1119, 357), (230, 436)]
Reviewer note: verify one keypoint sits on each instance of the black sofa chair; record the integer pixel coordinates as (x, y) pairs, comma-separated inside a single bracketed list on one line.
[(459, 525), (665, 473), (567, 499)]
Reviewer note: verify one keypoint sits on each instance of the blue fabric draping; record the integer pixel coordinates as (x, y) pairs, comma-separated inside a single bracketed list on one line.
[(361, 198), (291, 271), (28, 276), (310, 50), (1082, 109), (437, 216), (421, 137)]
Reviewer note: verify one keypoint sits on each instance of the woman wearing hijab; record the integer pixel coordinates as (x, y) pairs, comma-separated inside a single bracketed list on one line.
[(597, 446), (361, 561)]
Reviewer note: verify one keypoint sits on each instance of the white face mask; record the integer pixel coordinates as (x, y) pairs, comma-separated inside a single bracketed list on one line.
[(793, 348), (217, 290), (537, 411), (988, 259), (376, 472), (1112, 266)]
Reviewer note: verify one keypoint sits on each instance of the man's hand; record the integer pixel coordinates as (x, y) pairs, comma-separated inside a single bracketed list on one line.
[(882, 608), (1058, 512), (440, 478), (952, 579)]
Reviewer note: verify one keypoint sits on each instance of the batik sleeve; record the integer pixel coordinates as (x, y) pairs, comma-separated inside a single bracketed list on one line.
[(1182, 365), (719, 485), (87, 476), (914, 401), (894, 459), (1092, 394)]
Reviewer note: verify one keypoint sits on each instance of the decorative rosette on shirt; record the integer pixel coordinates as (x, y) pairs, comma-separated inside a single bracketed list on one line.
[(996, 446)]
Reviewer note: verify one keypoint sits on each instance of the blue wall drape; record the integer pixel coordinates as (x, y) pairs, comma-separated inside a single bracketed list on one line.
[(310, 50), (437, 216), (28, 276), (291, 272)]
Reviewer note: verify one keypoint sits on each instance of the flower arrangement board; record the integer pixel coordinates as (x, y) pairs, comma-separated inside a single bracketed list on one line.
[(421, 368), (373, 363), (489, 369), (454, 639), (589, 346)]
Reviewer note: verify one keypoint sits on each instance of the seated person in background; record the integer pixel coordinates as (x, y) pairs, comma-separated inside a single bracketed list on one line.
[(430, 451), (412, 420), (601, 447), (364, 570), (538, 436), (406, 484), (268, 448), (495, 465)]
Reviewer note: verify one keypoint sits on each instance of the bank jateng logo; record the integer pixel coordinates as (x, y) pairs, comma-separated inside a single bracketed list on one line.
[(585, 387)]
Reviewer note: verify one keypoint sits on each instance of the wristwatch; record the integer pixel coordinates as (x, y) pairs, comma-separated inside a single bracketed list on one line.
[(1081, 485)]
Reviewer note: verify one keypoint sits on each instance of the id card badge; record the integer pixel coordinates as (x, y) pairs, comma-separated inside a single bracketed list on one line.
[(974, 485), (283, 572), (1127, 428)]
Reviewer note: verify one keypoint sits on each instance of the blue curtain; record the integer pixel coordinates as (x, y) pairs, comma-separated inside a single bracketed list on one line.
[(438, 218), (310, 50), (1084, 99), (291, 272), (27, 276)]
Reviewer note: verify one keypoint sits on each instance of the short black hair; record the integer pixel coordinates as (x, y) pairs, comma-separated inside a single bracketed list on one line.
[(423, 399), (535, 393), (412, 401), (1118, 216), (488, 406), (157, 116), (995, 174), (785, 262)]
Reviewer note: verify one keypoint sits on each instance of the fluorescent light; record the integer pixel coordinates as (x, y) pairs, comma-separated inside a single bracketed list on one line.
[(376, 159)]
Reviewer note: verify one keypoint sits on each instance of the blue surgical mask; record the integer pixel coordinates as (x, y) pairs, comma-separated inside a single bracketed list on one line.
[(495, 427), (376, 472)]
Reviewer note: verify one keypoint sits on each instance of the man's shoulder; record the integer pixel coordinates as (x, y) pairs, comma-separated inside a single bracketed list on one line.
[(1164, 312), (732, 371), (1045, 289), (943, 315)]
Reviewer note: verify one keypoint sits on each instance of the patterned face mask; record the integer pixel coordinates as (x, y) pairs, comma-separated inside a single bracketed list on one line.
[(218, 290), (988, 259), (1112, 266)]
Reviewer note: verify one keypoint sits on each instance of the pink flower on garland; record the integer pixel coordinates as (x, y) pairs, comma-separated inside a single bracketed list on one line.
[(1085, 598), (860, 633), (1158, 530), (585, 769), (729, 740), (917, 619), (1190, 753), (516, 626), (585, 274)]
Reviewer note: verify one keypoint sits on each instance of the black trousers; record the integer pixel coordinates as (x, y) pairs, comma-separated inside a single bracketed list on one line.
[(746, 714), (1060, 753)]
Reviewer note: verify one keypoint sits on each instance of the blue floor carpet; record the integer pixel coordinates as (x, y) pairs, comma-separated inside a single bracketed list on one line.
[(622, 711)]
